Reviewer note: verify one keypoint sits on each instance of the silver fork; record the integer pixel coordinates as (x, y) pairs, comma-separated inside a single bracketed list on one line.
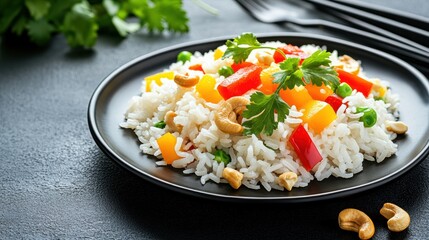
[(268, 13)]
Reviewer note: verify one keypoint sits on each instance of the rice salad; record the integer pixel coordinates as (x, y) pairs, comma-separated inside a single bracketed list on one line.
[(199, 115)]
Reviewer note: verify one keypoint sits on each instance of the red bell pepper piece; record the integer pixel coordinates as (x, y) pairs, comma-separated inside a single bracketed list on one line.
[(305, 148), (335, 101), (355, 82), (196, 67), (236, 66), (289, 50), (240, 82)]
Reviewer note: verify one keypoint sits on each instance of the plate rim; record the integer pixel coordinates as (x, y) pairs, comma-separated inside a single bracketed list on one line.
[(102, 144)]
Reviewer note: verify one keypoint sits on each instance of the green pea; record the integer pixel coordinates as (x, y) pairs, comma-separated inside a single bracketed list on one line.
[(184, 56), (344, 90), (160, 124), (369, 117), (222, 156), (225, 71)]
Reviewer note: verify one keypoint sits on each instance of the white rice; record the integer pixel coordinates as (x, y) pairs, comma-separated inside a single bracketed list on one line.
[(344, 145)]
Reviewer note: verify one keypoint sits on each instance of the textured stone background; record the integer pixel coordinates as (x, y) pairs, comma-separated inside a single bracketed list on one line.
[(55, 183)]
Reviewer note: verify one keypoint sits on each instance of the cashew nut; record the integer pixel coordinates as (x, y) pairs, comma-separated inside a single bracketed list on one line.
[(185, 80), (228, 115), (169, 121), (264, 58), (288, 179), (351, 219), (399, 219), (349, 64), (396, 127), (233, 177)]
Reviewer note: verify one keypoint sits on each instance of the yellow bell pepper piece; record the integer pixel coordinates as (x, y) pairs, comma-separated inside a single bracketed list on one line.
[(157, 78), (318, 115), (206, 89), (166, 144), (298, 96), (267, 85), (319, 92), (218, 53), (379, 89)]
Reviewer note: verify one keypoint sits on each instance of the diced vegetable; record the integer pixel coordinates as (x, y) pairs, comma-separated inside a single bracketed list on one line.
[(206, 89), (361, 85), (236, 66), (166, 145), (318, 115), (378, 88), (344, 90), (184, 56), (157, 78), (221, 156), (161, 124), (218, 53), (319, 92), (240, 82), (304, 147), (288, 50), (196, 67), (267, 85), (369, 117), (335, 102), (225, 71), (297, 96)]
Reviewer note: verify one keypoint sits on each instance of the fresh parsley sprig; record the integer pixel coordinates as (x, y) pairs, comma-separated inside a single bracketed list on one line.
[(81, 21), (261, 112), (241, 47)]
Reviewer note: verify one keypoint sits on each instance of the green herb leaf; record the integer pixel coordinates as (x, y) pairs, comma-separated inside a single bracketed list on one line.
[(38, 8), (316, 70), (80, 27), (261, 113), (9, 10), (240, 48), (165, 14), (124, 28), (40, 31)]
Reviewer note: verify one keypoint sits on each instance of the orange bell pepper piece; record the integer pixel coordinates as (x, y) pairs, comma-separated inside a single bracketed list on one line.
[(319, 92), (267, 86), (297, 96), (166, 145), (318, 115)]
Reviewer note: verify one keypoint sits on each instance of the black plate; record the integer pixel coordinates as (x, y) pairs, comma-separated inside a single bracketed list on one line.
[(110, 99)]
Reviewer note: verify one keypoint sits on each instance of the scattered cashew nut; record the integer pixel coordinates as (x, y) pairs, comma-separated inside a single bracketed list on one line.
[(228, 115), (185, 80), (169, 121), (233, 177), (288, 179), (396, 127), (398, 218), (351, 219)]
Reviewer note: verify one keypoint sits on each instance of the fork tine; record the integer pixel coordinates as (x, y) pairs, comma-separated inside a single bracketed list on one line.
[(251, 5)]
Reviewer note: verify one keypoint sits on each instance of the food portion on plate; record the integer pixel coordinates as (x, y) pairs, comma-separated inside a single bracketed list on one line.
[(265, 115)]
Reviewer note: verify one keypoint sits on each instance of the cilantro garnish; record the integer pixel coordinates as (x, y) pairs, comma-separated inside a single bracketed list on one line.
[(81, 21), (261, 112)]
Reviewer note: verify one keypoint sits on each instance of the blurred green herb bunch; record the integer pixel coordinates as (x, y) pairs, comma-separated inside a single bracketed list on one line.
[(80, 21)]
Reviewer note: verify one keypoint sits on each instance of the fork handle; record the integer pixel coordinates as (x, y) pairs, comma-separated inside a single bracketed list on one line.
[(415, 56)]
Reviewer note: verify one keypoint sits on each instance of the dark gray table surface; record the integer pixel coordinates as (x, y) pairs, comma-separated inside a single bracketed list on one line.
[(55, 183)]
